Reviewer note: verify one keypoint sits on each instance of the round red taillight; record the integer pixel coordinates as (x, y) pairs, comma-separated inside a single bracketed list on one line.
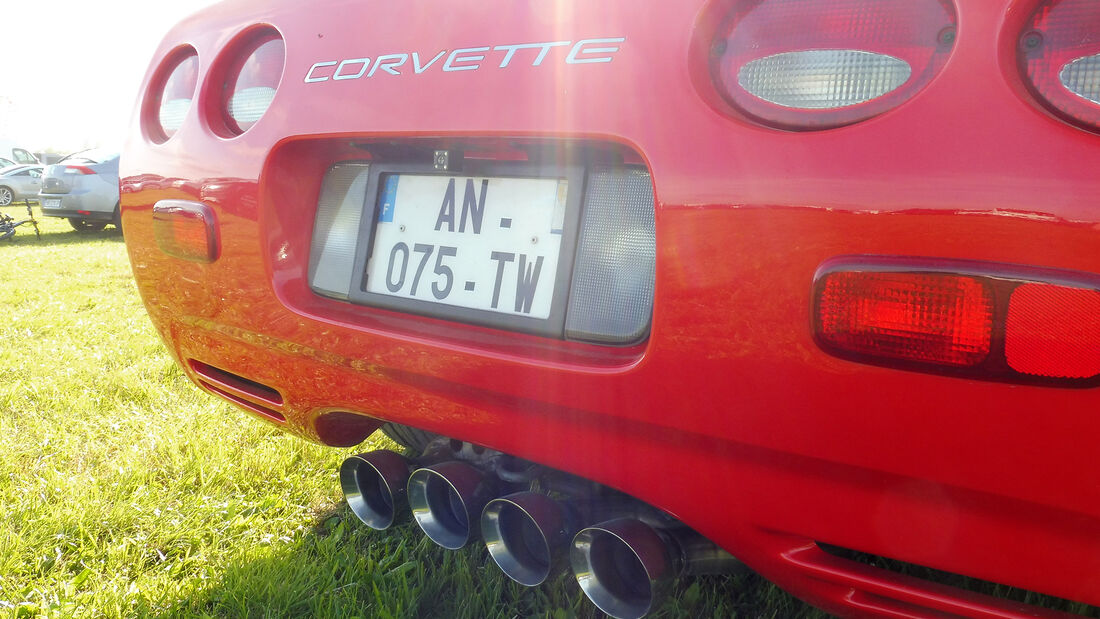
[(1059, 55), (172, 100), (817, 64), (251, 81)]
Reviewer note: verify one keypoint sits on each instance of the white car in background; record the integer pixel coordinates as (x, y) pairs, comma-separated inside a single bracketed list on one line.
[(10, 155), (19, 182), (83, 188)]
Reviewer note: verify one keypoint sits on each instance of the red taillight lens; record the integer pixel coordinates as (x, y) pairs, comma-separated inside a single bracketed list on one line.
[(929, 318), (252, 81), (1059, 54), (1053, 331), (816, 64), (186, 230), (974, 319), (78, 169), (174, 99)]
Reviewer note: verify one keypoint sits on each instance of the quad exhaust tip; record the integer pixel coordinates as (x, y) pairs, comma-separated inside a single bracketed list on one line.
[(623, 566), (445, 498), (374, 486), (526, 534)]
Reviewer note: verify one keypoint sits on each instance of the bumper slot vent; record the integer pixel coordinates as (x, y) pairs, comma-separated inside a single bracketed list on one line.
[(230, 383), (263, 411), (1001, 600)]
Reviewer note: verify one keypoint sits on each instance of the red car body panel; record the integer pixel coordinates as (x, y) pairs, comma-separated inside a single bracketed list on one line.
[(729, 416)]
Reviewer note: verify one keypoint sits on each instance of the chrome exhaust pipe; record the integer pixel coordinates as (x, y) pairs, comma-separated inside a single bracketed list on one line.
[(445, 498), (527, 534), (623, 566), (626, 567), (374, 486)]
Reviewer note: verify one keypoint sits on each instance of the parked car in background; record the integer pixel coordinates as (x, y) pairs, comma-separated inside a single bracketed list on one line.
[(19, 182), (815, 282), (83, 188), (11, 154)]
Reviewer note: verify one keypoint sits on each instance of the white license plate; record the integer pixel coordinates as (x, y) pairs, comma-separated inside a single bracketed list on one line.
[(481, 243), (52, 203)]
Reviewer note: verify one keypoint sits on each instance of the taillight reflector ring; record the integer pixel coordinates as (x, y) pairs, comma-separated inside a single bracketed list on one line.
[(245, 80), (819, 64), (1058, 53), (171, 92)]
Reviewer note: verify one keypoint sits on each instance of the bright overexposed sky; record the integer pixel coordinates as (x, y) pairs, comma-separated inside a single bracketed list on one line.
[(70, 69)]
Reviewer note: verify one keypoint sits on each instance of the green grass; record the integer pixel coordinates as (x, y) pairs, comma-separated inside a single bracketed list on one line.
[(125, 491)]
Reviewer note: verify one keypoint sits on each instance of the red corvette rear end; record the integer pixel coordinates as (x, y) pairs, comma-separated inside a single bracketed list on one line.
[(644, 289)]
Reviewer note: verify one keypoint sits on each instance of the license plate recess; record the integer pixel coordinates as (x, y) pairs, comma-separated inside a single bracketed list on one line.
[(492, 244)]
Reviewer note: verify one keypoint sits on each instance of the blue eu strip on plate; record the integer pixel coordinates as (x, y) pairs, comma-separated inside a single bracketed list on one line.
[(389, 194)]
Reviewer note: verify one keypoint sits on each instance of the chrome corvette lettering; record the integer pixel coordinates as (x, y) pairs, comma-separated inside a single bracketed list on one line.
[(456, 57), (318, 65), (340, 75), (579, 49), (584, 51), (387, 63), (545, 49), (416, 62)]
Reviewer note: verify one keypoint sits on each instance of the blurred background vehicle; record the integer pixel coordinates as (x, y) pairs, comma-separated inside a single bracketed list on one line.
[(19, 182), (83, 187), (10, 154)]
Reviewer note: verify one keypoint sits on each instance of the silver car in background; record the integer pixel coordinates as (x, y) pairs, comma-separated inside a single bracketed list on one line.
[(11, 155), (19, 182), (83, 187)]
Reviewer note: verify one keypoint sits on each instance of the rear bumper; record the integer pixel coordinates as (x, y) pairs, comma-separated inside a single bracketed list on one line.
[(89, 206), (729, 416), (771, 507), (72, 214)]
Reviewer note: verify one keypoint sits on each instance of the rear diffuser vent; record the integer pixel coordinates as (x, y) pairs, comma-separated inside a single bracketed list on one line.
[(243, 403), (966, 583), (225, 381)]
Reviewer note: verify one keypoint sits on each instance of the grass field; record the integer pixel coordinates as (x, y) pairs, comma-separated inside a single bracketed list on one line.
[(125, 491)]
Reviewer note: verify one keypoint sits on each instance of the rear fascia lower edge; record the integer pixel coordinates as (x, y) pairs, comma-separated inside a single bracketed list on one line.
[(817, 493)]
